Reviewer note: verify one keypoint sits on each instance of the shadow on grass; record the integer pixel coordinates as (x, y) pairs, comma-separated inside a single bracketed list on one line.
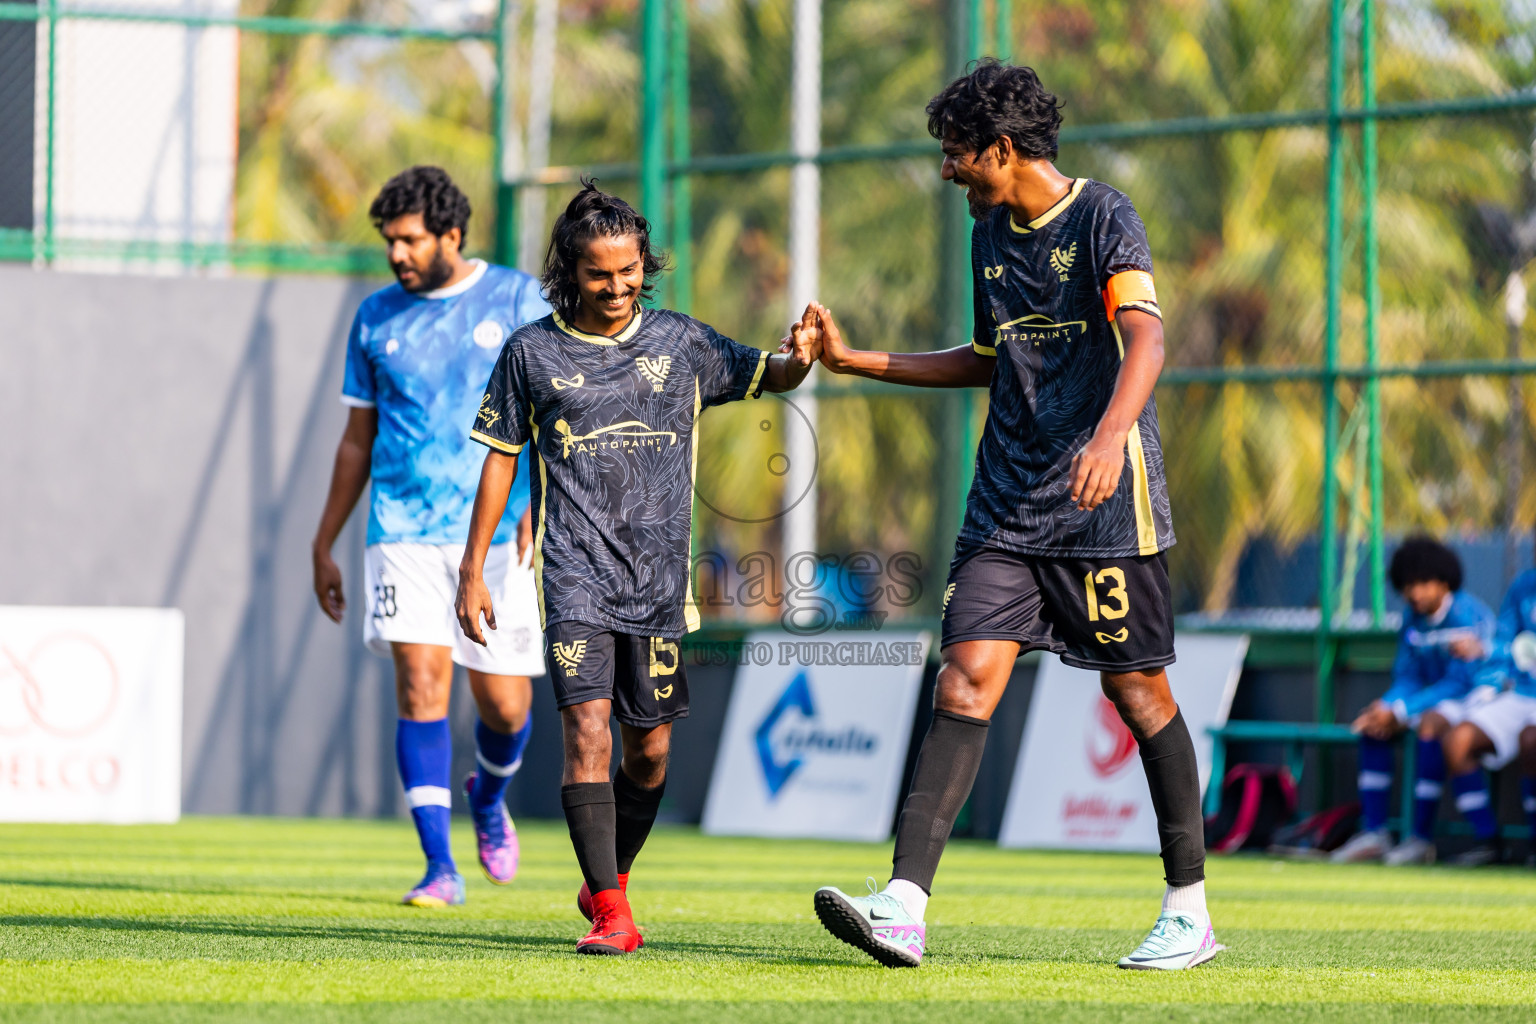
[(444, 935), (170, 888), (457, 935)]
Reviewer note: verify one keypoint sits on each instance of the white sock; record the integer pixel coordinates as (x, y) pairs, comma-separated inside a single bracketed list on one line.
[(1187, 899), (911, 896)]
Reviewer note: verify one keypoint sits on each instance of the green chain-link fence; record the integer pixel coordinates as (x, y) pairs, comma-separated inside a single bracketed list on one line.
[(1338, 196)]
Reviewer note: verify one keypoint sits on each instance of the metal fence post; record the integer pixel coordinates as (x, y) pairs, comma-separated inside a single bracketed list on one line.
[(959, 235), (51, 123), (1335, 271), (1372, 305), (976, 29), (653, 126), (504, 244), (682, 146)]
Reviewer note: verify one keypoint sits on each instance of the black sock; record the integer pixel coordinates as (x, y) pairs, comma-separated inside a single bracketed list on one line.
[(635, 810), (589, 815), (946, 770), (1174, 779)]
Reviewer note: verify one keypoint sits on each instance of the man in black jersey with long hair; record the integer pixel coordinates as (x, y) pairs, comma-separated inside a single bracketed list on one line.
[(1068, 516), (609, 395)]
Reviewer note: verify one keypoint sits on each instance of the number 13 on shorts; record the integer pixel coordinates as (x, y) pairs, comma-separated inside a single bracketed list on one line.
[(1112, 603)]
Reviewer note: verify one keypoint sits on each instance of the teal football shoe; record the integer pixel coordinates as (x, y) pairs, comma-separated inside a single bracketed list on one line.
[(1177, 942), (878, 924)]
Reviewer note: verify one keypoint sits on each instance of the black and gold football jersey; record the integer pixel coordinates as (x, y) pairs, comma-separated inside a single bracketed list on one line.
[(613, 422), (1046, 294)]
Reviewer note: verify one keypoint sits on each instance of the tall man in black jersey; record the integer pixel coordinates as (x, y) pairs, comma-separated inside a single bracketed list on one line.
[(1068, 517), (609, 394)]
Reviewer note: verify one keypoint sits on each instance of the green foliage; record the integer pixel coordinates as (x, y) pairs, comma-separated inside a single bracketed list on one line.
[(1236, 223)]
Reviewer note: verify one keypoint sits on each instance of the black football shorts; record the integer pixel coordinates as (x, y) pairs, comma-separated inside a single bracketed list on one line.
[(1105, 614), (642, 675)]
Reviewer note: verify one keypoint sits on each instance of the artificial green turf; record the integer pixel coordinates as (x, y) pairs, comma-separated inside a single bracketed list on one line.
[(277, 920)]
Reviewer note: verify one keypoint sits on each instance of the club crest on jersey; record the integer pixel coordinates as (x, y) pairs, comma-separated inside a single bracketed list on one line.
[(1061, 261), (562, 383), (489, 334), (615, 436), (655, 370), (488, 416), (569, 655)]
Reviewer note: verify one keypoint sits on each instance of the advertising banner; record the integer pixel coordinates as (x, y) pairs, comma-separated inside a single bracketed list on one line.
[(90, 714), (816, 736), (1078, 783)]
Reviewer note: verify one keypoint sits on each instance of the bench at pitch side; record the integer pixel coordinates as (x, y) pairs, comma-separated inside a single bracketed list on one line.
[(1295, 736)]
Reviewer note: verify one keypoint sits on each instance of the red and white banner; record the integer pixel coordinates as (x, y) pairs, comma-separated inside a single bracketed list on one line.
[(90, 714), (1078, 782)]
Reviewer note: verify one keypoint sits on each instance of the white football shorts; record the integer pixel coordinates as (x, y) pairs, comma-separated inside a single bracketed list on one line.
[(410, 594), (1453, 711), (1502, 720)]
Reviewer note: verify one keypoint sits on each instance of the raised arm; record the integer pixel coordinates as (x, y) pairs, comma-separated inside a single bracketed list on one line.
[(474, 599), (349, 475), (962, 367), (788, 367)]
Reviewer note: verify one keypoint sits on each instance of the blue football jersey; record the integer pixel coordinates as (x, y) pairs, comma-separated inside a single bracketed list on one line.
[(1425, 671), (1517, 615), (422, 360)]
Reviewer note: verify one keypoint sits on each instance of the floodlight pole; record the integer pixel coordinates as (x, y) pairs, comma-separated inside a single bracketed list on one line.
[(541, 77), (800, 492)]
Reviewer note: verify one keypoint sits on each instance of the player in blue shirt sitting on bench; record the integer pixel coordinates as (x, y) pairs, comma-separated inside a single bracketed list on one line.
[(1446, 635), (1497, 731)]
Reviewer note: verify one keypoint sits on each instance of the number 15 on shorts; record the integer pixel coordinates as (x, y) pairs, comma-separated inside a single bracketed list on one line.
[(1111, 603)]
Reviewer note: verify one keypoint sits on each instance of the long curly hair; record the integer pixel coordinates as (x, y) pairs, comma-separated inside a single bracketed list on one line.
[(993, 100), (592, 213)]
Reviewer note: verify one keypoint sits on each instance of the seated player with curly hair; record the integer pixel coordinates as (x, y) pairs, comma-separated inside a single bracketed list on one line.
[(1446, 635)]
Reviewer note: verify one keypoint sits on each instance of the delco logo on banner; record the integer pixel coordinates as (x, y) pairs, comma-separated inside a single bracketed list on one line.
[(1078, 782), (814, 751), (90, 714)]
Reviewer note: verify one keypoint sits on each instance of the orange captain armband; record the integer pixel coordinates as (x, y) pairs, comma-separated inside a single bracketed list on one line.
[(1130, 288)]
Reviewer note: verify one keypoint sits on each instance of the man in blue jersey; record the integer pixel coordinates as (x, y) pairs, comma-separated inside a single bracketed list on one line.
[(1503, 728), (1446, 635), (417, 360)]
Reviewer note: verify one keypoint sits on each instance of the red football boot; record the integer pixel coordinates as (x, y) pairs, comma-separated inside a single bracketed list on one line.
[(584, 895), (613, 926)]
